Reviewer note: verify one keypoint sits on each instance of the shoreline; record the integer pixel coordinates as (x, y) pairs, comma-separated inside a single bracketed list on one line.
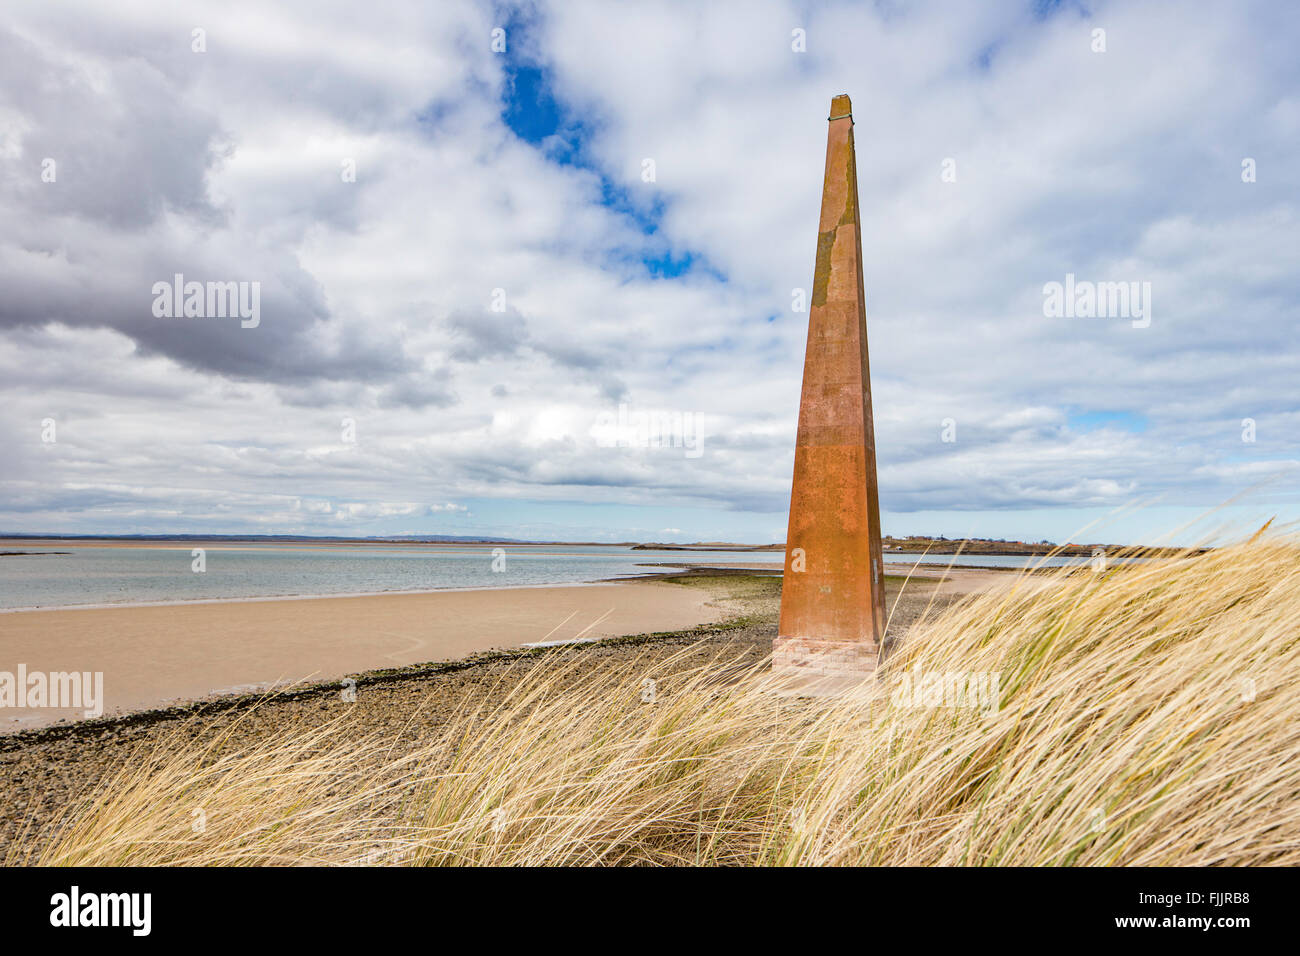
[(166, 655), (152, 656), (670, 570), (311, 689), (664, 569), (341, 595)]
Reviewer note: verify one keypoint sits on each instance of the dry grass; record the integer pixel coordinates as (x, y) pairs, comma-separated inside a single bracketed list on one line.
[(1144, 716)]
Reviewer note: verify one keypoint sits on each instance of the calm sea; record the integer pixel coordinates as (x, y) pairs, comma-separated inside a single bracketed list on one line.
[(96, 575)]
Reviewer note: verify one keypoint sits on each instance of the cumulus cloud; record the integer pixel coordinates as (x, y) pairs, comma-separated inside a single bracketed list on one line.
[(389, 181)]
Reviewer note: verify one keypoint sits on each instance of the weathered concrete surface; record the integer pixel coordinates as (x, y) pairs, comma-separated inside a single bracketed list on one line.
[(832, 610)]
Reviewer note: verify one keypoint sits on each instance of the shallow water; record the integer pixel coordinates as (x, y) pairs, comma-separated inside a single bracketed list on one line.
[(98, 575)]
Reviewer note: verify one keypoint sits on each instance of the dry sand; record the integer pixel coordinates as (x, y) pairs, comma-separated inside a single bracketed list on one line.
[(153, 655)]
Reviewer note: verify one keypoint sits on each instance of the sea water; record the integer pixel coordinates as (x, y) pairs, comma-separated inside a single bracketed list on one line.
[(89, 575)]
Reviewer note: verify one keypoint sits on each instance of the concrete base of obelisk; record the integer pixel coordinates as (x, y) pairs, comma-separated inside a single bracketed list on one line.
[(808, 667)]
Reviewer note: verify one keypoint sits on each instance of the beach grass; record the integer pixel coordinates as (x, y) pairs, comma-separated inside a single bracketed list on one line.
[(1140, 715)]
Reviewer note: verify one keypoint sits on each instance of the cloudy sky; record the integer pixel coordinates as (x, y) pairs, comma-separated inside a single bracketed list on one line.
[(471, 261)]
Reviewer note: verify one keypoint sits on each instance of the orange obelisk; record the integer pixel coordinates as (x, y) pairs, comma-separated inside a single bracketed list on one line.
[(832, 599)]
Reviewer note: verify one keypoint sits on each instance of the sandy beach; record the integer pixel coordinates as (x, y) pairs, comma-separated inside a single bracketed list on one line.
[(153, 655)]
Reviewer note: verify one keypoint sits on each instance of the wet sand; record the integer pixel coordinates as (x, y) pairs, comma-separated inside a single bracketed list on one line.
[(951, 581), (157, 654)]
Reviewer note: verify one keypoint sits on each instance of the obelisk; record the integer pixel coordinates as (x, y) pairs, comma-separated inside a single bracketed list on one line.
[(832, 598)]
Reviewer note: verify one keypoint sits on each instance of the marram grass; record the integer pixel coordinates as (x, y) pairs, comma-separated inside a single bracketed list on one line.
[(1145, 715)]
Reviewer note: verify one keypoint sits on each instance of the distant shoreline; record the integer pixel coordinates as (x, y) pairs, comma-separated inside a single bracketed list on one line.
[(892, 546), (135, 541)]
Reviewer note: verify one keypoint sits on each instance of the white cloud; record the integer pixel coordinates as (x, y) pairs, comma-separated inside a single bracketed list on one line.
[(226, 165)]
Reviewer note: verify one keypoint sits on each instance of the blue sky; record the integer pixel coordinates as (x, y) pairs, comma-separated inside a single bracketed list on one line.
[(534, 112), (616, 216)]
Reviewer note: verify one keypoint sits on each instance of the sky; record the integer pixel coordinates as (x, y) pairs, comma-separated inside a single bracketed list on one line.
[(488, 240)]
